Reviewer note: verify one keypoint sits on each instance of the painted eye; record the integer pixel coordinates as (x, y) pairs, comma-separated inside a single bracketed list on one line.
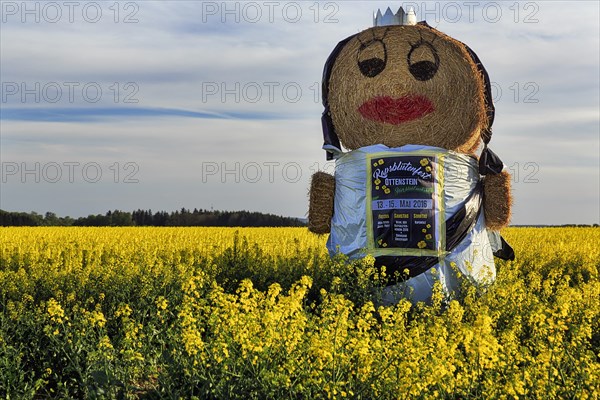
[(423, 61), (372, 58)]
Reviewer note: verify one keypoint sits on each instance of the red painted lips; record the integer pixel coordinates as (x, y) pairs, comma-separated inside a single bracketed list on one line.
[(396, 111)]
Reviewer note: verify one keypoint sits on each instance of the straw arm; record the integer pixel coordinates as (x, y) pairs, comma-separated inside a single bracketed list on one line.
[(497, 200), (320, 210)]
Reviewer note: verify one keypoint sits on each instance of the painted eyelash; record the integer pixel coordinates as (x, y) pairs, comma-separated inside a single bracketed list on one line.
[(422, 40), (385, 32), (374, 38)]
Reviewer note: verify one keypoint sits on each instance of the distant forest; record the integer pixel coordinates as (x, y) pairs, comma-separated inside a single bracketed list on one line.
[(182, 217)]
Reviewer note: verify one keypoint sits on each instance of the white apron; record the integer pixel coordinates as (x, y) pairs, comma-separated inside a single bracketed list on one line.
[(395, 201)]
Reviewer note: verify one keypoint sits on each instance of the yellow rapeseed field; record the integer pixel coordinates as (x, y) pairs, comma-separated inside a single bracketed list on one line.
[(265, 313)]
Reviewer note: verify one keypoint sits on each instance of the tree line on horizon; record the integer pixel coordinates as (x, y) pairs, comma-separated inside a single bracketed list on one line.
[(183, 217)]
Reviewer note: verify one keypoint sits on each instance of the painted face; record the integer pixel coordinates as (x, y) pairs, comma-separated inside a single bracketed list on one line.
[(402, 85)]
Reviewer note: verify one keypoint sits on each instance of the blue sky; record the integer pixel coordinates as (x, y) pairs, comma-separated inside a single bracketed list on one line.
[(173, 104)]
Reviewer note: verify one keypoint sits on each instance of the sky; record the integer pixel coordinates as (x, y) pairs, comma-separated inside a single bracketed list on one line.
[(216, 105)]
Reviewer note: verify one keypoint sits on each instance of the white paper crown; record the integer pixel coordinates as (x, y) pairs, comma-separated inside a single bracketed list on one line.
[(400, 18)]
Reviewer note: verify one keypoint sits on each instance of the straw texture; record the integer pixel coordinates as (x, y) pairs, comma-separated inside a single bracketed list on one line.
[(400, 85), (497, 200), (320, 212)]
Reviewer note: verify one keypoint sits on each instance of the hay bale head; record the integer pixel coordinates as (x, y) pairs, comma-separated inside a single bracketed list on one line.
[(400, 85)]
